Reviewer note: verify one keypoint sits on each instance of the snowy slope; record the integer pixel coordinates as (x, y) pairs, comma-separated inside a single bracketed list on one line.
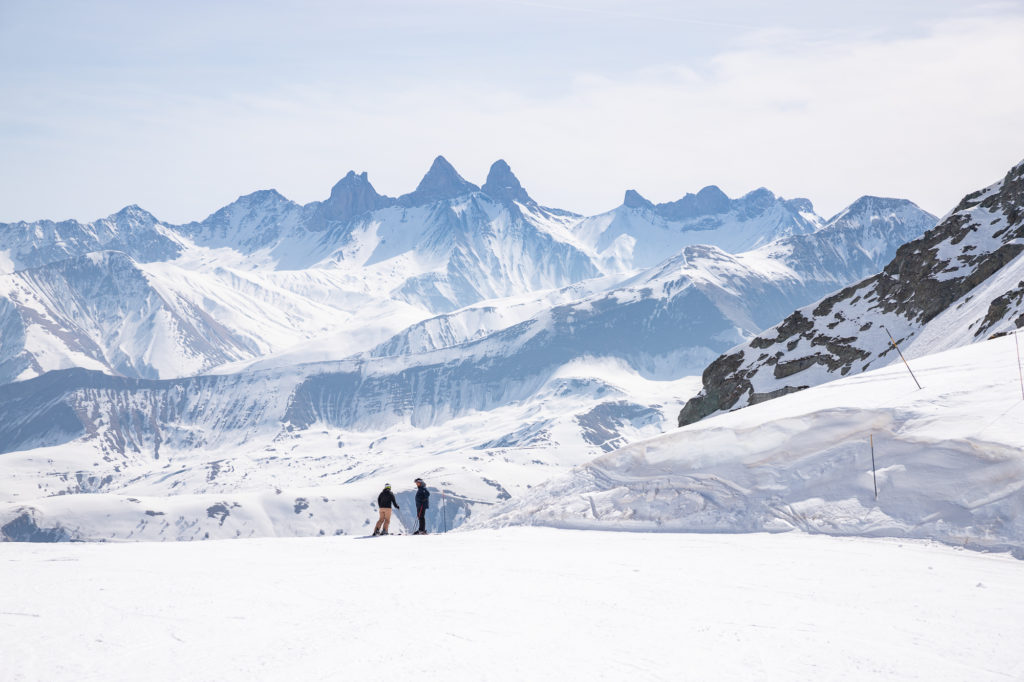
[(949, 457), (960, 282), (101, 311), (165, 320), (517, 604)]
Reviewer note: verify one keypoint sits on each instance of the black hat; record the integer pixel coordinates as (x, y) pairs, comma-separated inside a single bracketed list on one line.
[(418, 480)]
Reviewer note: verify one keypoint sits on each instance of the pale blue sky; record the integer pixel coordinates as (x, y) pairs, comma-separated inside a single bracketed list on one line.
[(180, 107)]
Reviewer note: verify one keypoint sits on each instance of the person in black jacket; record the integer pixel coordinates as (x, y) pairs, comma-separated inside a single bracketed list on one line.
[(385, 501), (422, 503)]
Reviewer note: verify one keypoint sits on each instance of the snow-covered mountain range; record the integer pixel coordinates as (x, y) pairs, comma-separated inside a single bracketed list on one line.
[(275, 351), (264, 275)]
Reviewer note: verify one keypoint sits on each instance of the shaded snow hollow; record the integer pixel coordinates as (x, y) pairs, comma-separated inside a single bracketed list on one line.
[(949, 458)]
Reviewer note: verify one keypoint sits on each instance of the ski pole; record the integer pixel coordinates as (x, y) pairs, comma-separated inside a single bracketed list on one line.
[(874, 477), (444, 512), (902, 358), (1020, 372)]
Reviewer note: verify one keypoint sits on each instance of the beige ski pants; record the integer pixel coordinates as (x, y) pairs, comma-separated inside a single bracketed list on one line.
[(385, 518)]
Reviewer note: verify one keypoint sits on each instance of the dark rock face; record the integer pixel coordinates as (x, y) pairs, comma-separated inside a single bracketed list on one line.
[(24, 529), (1000, 306), (843, 333), (220, 511), (724, 384), (709, 201), (503, 185), (351, 197), (601, 425)]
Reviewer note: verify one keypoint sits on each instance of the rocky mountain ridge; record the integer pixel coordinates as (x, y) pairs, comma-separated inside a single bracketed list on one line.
[(960, 282)]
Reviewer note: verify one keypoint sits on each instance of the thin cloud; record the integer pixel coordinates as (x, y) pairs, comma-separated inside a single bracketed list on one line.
[(928, 118)]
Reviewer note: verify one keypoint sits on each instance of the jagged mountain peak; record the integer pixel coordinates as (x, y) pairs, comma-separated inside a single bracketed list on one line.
[(503, 185), (712, 194), (881, 210), (639, 233), (868, 203), (441, 182), (801, 205), (263, 196), (351, 196), (134, 213), (263, 202), (634, 199), (351, 180), (708, 201), (757, 201)]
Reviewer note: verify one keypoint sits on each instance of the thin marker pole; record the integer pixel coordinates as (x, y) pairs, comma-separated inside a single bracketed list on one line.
[(1019, 370), (444, 512), (902, 358), (873, 475)]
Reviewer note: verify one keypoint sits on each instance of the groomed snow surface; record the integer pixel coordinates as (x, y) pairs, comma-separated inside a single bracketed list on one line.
[(512, 604)]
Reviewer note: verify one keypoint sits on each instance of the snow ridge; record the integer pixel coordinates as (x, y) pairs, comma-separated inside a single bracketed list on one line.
[(948, 457)]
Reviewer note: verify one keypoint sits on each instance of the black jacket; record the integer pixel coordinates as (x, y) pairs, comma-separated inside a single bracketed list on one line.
[(386, 499), (422, 497)]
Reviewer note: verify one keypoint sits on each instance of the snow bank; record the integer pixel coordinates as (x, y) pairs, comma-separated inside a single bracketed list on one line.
[(949, 460)]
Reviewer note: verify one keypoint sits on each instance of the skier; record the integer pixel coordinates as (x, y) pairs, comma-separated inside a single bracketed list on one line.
[(422, 503), (384, 503)]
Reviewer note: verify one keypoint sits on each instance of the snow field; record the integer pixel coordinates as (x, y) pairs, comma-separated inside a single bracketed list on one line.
[(512, 604), (338, 473)]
